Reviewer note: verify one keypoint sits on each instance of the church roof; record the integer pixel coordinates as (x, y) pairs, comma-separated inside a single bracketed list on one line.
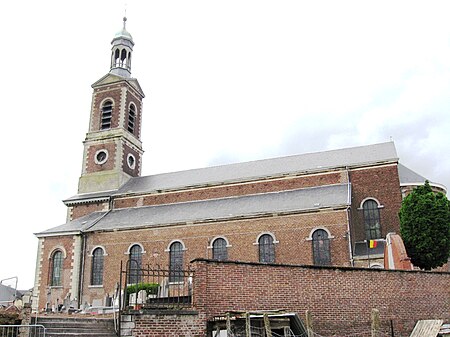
[(74, 226), (294, 201), (408, 176), (247, 171)]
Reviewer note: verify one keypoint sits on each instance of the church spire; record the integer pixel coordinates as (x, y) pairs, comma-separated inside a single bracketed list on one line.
[(113, 148), (122, 47)]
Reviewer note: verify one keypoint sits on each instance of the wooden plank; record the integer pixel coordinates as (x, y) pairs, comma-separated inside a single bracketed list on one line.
[(427, 328)]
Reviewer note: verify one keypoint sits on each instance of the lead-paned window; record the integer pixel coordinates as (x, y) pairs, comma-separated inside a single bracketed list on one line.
[(219, 249), (97, 267), (135, 264), (371, 214), (266, 249), (176, 262), (321, 248), (56, 265)]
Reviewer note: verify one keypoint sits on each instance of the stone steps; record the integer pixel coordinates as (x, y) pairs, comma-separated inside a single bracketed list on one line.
[(77, 326)]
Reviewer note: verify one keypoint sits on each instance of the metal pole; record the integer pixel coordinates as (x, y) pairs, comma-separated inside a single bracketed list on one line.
[(10, 278)]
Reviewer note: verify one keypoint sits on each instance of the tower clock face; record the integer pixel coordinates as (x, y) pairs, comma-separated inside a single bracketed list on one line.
[(101, 157)]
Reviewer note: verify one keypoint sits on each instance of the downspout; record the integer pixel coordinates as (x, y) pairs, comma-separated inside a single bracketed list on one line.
[(83, 259), (80, 279), (349, 218)]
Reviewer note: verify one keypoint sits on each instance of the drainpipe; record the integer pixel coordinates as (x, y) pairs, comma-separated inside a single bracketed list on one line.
[(80, 279), (349, 218)]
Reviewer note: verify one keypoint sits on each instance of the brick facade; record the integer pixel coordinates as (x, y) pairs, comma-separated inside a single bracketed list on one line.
[(382, 184), (112, 92), (291, 232), (80, 210), (53, 295)]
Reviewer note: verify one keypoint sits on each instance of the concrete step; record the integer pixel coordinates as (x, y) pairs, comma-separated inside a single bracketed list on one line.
[(77, 326)]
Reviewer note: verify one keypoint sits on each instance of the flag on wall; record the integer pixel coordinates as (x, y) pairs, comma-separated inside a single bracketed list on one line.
[(372, 243)]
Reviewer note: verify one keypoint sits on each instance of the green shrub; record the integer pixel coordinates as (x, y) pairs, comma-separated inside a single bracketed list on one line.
[(150, 288)]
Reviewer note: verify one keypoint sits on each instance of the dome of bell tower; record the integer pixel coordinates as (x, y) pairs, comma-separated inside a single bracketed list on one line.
[(122, 47)]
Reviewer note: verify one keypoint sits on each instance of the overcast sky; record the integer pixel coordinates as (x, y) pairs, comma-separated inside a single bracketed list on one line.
[(225, 81)]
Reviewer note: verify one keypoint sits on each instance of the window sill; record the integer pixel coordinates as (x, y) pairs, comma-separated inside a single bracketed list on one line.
[(95, 286), (56, 287)]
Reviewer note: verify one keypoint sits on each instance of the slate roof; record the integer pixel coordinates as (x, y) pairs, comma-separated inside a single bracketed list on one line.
[(74, 226), (314, 198), (309, 162), (409, 177), (7, 293)]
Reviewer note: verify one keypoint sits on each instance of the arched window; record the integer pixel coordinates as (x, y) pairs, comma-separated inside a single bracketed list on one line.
[(97, 267), (56, 269), (116, 58), (321, 248), (219, 249), (266, 249), (135, 264), (131, 118), (176, 262), (107, 108), (371, 219), (123, 58)]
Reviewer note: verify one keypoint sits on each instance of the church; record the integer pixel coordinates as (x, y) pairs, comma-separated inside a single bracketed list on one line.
[(308, 209)]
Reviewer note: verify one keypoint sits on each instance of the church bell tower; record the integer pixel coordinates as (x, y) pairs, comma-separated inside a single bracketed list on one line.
[(112, 148)]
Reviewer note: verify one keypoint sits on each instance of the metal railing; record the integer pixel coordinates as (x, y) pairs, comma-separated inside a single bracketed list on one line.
[(154, 287), (34, 330)]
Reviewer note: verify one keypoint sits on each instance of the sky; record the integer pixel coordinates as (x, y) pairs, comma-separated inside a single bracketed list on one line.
[(225, 82)]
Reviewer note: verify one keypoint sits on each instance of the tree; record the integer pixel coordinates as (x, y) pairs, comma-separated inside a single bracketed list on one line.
[(425, 227)]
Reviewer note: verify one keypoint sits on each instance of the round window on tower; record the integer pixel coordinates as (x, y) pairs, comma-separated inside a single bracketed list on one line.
[(101, 156), (131, 161)]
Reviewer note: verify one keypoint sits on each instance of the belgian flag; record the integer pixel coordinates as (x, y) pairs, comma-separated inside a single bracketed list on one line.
[(372, 243)]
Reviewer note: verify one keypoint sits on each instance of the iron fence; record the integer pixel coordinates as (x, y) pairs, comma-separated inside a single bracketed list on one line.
[(35, 330), (154, 287)]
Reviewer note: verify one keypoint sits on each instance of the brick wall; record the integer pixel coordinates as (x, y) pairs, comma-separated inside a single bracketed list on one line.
[(112, 92), (134, 172), (261, 186), (133, 97), (381, 183), (161, 324), (339, 298), (77, 211), (91, 166)]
